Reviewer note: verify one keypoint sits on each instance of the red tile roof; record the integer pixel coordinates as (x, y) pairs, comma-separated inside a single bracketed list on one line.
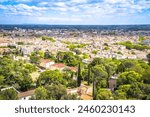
[(45, 61), (73, 68), (59, 65)]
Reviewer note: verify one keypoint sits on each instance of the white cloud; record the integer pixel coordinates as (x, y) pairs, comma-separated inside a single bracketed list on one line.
[(43, 3), (78, 1), (81, 9), (119, 1), (23, 9), (60, 4), (20, 1), (23, 1)]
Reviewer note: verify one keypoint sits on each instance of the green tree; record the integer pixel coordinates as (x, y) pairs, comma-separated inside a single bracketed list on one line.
[(104, 94), (146, 76), (70, 97), (100, 75), (9, 94), (128, 78), (148, 58), (121, 92), (110, 69), (30, 67), (48, 55), (56, 91), (25, 81), (79, 77), (97, 61), (89, 74), (135, 92), (49, 77), (41, 53), (68, 58), (40, 94), (35, 58), (2, 79), (120, 95)]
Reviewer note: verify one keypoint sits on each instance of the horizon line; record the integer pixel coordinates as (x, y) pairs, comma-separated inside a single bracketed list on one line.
[(78, 24)]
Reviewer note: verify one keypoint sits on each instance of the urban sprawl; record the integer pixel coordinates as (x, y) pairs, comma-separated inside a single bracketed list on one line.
[(63, 64)]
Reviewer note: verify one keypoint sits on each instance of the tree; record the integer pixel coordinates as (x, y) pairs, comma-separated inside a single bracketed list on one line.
[(146, 76), (110, 69), (72, 83), (40, 53), (2, 79), (135, 92), (35, 58), (94, 89), (56, 91), (49, 77), (70, 97), (120, 95), (148, 58), (60, 56), (104, 94), (15, 73), (40, 94), (8, 94), (68, 58), (48, 55), (25, 81), (97, 61), (100, 75), (79, 77), (128, 78), (89, 74), (30, 67), (121, 92)]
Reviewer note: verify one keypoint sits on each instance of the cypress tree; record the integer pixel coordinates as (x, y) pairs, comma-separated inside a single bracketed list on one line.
[(108, 72), (72, 74), (89, 73), (148, 58), (94, 90), (79, 76)]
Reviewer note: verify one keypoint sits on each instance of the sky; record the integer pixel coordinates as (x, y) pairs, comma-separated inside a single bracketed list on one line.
[(75, 12)]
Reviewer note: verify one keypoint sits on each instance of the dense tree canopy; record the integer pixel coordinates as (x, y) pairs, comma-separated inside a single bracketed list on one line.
[(104, 94), (129, 78), (68, 58), (49, 77), (8, 94), (52, 92), (14, 73)]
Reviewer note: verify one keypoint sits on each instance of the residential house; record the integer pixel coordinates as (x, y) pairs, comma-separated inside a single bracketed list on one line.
[(58, 66), (3, 43), (46, 63)]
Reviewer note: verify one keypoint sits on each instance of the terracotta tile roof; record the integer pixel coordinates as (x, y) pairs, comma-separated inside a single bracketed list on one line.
[(2, 41), (45, 61), (25, 94), (73, 68), (59, 65)]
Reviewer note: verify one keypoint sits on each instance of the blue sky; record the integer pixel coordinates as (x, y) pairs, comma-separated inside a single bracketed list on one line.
[(95, 12)]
